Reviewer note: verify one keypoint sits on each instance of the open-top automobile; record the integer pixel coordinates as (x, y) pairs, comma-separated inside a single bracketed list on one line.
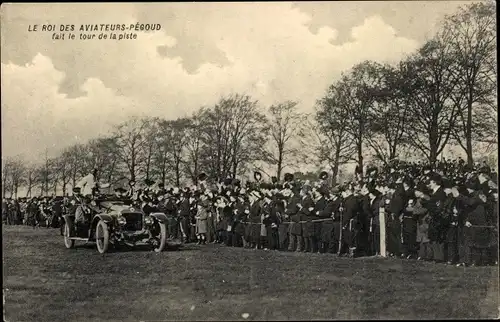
[(116, 222)]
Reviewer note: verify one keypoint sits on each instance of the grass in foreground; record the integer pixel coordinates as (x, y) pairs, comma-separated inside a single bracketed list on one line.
[(43, 281)]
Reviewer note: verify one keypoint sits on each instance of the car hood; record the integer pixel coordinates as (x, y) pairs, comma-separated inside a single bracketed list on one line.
[(118, 207)]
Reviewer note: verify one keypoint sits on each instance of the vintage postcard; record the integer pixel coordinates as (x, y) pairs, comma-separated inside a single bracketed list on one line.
[(249, 161)]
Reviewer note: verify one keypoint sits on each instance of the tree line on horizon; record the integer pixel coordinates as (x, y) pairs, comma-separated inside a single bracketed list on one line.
[(443, 94)]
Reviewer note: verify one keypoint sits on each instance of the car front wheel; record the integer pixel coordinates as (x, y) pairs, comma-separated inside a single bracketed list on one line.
[(68, 242), (161, 237), (102, 237)]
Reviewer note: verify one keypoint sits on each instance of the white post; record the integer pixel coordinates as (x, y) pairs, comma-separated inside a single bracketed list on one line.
[(381, 221)]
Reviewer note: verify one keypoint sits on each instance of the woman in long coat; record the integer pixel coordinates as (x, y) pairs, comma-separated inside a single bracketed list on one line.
[(201, 221), (255, 220), (420, 212)]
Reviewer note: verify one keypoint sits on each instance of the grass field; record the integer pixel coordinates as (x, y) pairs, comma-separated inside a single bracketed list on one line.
[(43, 281)]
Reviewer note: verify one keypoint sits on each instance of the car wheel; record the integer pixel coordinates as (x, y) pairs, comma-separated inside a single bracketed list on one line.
[(102, 237), (161, 238), (68, 242)]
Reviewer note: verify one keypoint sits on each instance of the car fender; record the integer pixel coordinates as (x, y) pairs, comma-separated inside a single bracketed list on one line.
[(161, 217), (104, 217)]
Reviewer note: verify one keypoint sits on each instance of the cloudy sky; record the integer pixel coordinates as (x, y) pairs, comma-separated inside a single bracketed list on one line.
[(55, 93)]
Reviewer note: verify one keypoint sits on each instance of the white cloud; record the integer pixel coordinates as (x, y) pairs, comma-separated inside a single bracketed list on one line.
[(273, 56)]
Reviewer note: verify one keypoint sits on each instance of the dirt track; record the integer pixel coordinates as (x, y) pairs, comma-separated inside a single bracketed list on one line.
[(43, 281)]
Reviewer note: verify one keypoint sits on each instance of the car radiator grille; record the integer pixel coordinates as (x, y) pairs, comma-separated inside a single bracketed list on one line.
[(134, 221)]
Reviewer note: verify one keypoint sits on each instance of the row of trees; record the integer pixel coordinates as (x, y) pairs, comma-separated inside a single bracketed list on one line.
[(226, 140), (444, 94)]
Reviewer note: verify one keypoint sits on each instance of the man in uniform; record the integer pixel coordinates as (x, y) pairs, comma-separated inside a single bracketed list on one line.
[(436, 211), (185, 217), (371, 207), (306, 206), (295, 227), (350, 207), (397, 206)]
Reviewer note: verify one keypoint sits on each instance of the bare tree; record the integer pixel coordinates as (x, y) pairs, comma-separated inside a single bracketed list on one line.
[(194, 137), (151, 135), (175, 135), (471, 35), (358, 90), (286, 126), (63, 167), (334, 145), (235, 134), (388, 115), (433, 78), (30, 178), (131, 142)]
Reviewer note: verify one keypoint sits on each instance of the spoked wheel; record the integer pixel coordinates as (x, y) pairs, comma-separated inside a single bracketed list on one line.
[(102, 237), (68, 242), (159, 237)]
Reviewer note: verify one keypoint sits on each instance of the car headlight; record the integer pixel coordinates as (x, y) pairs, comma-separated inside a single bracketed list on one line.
[(121, 220), (148, 220)]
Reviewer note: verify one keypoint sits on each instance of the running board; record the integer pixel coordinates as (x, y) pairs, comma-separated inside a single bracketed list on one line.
[(79, 238)]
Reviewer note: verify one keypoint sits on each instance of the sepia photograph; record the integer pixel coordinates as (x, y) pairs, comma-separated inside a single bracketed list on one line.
[(249, 161)]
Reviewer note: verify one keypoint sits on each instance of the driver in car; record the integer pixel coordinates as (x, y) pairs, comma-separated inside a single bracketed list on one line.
[(88, 187)]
